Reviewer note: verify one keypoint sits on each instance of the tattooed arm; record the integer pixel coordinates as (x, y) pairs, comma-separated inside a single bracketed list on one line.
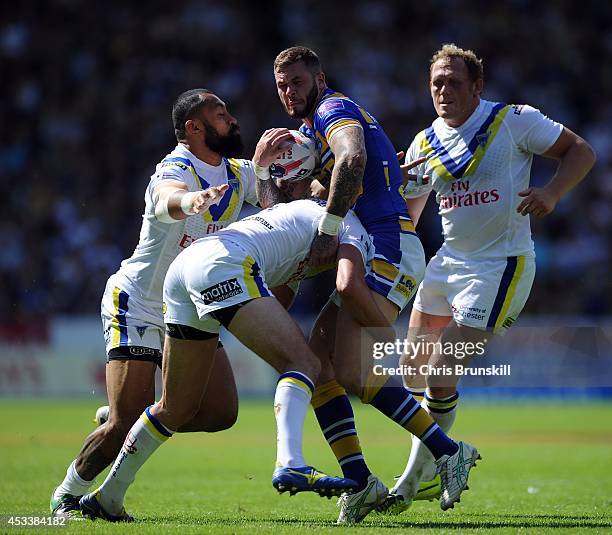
[(273, 191), (348, 147), (269, 194)]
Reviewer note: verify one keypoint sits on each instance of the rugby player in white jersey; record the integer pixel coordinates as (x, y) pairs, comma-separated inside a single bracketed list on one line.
[(196, 190), (225, 279), (477, 157)]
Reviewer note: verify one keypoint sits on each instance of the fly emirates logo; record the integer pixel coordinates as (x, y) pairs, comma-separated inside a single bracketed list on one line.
[(461, 196), (187, 240)]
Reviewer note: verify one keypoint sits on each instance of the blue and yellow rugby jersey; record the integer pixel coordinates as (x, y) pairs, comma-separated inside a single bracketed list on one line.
[(380, 200), (398, 261), (477, 171)]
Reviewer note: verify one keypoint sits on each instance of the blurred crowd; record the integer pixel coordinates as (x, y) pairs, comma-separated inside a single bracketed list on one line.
[(87, 89)]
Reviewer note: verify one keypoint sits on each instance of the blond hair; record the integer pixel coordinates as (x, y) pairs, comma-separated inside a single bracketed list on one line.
[(469, 57)]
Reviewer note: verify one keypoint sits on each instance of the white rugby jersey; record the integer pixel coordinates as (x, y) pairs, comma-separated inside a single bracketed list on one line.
[(477, 172), (142, 275), (279, 238)]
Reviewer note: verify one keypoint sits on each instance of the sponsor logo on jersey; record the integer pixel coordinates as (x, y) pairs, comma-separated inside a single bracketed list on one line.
[(181, 165), (214, 227), (508, 322), (300, 271), (262, 221), (186, 241), (222, 291), (211, 228), (329, 105), (462, 196)]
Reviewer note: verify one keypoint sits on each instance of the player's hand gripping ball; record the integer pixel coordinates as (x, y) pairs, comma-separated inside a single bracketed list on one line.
[(298, 160)]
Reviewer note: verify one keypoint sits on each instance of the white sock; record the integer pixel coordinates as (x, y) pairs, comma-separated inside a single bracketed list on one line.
[(145, 436), (291, 401), (73, 483), (421, 465)]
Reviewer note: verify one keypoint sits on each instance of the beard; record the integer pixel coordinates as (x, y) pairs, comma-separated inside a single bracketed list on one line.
[(229, 145), (311, 102)]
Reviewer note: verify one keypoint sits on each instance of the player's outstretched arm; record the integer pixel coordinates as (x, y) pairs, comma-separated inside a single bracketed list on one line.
[(576, 158), (269, 147), (173, 202), (348, 147)]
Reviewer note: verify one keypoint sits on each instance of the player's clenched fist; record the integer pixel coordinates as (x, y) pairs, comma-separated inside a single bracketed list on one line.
[(196, 202), (537, 201)]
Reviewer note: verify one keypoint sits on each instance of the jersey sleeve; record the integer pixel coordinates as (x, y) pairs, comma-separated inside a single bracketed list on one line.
[(533, 131), (172, 171), (353, 233), (335, 114), (414, 189), (249, 182)]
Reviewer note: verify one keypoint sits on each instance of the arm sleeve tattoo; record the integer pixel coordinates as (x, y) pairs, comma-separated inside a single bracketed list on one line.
[(348, 146), (269, 194)]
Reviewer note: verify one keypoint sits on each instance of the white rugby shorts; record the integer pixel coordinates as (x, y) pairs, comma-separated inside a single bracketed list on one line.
[(484, 294), (128, 322), (210, 275)]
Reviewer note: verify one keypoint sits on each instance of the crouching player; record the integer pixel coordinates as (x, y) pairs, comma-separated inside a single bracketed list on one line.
[(225, 280)]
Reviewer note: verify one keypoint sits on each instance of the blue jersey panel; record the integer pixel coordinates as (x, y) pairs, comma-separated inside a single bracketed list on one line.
[(380, 199)]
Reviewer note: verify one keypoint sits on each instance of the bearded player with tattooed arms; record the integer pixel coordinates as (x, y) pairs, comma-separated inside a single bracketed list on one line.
[(359, 167)]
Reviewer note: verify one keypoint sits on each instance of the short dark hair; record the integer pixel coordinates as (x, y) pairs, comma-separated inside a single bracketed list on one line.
[(469, 57), (184, 108), (294, 54)]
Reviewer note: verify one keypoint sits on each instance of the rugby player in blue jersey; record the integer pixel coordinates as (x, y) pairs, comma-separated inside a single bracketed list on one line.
[(359, 168)]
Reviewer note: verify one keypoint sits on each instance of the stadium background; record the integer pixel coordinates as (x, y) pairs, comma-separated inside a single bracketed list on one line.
[(85, 106)]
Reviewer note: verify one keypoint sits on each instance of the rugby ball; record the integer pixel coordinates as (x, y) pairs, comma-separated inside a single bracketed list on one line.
[(298, 160)]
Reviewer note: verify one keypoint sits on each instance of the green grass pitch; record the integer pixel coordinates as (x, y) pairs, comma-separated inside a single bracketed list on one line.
[(544, 468)]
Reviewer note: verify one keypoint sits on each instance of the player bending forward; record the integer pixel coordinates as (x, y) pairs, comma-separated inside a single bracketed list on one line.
[(197, 189), (224, 280)]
